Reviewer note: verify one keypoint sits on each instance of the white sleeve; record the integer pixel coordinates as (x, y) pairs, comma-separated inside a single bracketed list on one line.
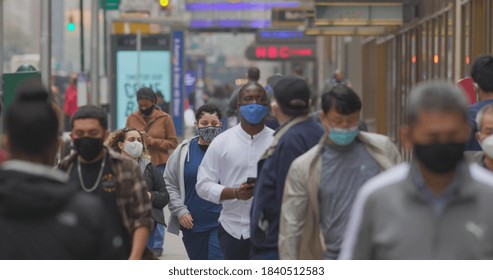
[(208, 175)]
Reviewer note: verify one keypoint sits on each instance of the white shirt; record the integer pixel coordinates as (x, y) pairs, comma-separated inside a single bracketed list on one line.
[(230, 159)]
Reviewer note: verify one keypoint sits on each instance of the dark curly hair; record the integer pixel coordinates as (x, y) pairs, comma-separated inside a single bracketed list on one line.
[(208, 108)]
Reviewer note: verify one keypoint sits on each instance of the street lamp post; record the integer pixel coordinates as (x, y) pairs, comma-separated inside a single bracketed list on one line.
[(95, 52), (45, 58), (81, 21)]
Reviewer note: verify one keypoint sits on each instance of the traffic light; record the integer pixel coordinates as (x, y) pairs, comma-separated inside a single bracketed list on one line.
[(70, 24), (164, 3)]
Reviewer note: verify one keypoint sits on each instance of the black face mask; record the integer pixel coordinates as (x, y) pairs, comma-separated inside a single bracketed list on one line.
[(440, 158), (88, 148), (147, 112)]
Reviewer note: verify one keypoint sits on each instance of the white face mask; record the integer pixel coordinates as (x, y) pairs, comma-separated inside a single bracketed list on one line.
[(133, 149), (487, 146)]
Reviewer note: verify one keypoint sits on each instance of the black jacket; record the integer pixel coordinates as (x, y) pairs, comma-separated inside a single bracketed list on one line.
[(157, 188), (41, 217)]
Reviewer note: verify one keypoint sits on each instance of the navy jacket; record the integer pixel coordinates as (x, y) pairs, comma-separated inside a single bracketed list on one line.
[(269, 188), (473, 144)]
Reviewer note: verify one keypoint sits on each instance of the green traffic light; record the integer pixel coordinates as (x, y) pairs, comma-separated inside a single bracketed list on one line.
[(70, 26)]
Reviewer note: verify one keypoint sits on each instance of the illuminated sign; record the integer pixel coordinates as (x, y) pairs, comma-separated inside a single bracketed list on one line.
[(178, 80), (151, 67), (241, 6), (280, 52), (290, 16), (155, 72), (281, 34), (361, 13), (228, 23)]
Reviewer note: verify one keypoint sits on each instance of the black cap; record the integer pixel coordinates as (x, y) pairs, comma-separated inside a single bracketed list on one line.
[(293, 96), (146, 93)]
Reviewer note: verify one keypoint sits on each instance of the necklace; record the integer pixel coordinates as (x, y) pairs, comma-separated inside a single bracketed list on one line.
[(81, 180)]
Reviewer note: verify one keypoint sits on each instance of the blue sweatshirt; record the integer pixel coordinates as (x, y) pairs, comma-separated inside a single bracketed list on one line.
[(205, 214)]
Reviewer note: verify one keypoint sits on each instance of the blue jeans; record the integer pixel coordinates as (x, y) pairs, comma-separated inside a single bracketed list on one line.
[(158, 232), (232, 248), (268, 254), (156, 238), (202, 245)]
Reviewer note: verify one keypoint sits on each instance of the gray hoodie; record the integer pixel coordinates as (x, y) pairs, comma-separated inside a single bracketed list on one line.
[(175, 184)]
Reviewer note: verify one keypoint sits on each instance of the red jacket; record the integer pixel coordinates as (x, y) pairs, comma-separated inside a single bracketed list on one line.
[(70, 105)]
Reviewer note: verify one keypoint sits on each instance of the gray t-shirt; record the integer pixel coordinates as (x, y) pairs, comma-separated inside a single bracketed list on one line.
[(344, 170)]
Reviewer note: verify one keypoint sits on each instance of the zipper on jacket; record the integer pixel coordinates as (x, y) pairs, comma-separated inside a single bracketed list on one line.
[(148, 125)]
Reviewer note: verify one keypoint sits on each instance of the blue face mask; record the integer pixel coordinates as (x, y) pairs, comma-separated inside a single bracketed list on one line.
[(343, 137), (254, 113)]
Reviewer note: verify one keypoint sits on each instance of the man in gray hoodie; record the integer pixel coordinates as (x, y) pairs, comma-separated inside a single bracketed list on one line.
[(436, 207)]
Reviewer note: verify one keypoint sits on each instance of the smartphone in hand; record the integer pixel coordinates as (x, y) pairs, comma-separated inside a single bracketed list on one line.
[(251, 180)]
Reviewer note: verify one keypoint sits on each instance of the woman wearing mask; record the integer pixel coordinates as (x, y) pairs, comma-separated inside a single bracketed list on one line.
[(128, 142), (195, 217), (159, 136)]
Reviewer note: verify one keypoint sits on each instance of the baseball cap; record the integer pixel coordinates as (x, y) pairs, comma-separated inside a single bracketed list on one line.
[(293, 95)]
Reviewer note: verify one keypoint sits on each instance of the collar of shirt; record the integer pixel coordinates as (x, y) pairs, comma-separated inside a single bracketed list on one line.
[(245, 136)]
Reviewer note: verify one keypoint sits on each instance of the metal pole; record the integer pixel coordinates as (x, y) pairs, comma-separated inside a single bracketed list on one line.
[(1, 46), (108, 54), (81, 23), (139, 48), (1, 65), (105, 40), (458, 42), (45, 59), (95, 52)]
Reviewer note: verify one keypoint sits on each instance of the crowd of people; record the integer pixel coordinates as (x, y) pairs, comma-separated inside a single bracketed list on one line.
[(284, 183)]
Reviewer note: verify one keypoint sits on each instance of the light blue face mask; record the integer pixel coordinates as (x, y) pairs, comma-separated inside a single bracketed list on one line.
[(343, 137), (254, 113)]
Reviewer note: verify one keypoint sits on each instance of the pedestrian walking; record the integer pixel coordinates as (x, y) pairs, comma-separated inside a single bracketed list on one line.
[(70, 101), (322, 183), (195, 217), (158, 131), (484, 121), (113, 178), (42, 215), (129, 142), (252, 75), (297, 134), (223, 175), (436, 207), (482, 75)]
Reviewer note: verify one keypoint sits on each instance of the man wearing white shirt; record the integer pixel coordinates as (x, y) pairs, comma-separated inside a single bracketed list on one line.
[(231, 158)]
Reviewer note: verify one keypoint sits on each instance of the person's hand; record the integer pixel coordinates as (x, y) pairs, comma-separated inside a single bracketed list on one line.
[(146, 138), (186, 221), (245, 191), (149, 195)]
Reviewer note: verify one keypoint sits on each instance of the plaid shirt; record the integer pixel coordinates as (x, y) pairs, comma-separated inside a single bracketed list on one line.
[(132, 201)]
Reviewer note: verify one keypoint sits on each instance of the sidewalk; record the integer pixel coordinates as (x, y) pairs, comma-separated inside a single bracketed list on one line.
[(173, 245)]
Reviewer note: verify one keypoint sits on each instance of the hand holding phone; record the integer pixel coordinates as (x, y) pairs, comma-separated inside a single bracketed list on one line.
[(251, 180)]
